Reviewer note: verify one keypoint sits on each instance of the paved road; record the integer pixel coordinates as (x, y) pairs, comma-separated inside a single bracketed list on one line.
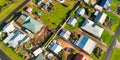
[(3, 56), (14, 11), (110, 49)]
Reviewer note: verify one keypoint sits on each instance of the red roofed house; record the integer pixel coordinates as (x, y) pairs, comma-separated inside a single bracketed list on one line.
[(79, 57)]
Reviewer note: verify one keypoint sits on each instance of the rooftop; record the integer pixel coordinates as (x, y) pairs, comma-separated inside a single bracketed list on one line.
[(85, 43), (56, 48), (72, 21), (81, 11), (101, 17), (65, 34), (15, 38), (92, 28)]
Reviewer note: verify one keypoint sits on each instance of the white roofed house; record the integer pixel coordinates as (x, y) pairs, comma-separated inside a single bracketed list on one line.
[(37, 51), (55, 47), (65, 34), (15, 38), (92, 28), (72, 21), (29, 9), (101, 17), (9, 28), (80, 11)]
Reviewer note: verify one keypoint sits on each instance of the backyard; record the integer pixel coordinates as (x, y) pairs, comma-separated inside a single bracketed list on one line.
[(9, 9), (115, 54), (9, 52), (107, 37), (54, 18)]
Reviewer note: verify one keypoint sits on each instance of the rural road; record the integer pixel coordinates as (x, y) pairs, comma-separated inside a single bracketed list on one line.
[(110, 49)]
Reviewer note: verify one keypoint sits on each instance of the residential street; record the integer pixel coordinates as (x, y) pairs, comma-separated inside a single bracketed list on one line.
[(110, 49), (3, 56), (14, 11)]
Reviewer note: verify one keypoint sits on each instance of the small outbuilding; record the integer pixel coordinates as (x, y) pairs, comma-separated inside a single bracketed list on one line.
[(81, 11), (65, 34), (72, 21)]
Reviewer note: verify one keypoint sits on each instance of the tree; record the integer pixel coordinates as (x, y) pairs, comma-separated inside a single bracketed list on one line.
[(63, 55)]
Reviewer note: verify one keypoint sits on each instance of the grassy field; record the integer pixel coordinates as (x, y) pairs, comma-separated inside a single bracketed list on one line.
[(107, 37), (114, 4), (115, 54), (11, 53), (9, 9), (77, 26), (54, 18)]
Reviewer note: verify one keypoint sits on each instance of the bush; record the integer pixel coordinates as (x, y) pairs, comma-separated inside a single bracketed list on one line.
[(74, 52), (3, 35), (0, 27)]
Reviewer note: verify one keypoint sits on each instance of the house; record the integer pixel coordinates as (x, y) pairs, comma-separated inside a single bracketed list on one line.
[(8, 28), (80, 11), (37, 51), (92, 28), (15, 38), (29, 10), (65, 34), (72, 21), (85, 43), (98, 8), (106, 3), (101, 17), (80, 57), (55, 47), (29, 23)]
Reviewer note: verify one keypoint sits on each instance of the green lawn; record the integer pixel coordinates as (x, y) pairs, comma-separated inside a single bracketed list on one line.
[(114, 4), (2, 2), (54, 18), (11, 53), (77, 26), (10, 8), (107, 37), (115, 54), (116, 20)]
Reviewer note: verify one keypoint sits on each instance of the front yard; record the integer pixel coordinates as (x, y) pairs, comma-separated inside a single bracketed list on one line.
[(10, 52), (107, 37), (115, 54), (116, 20), (10, 9)]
